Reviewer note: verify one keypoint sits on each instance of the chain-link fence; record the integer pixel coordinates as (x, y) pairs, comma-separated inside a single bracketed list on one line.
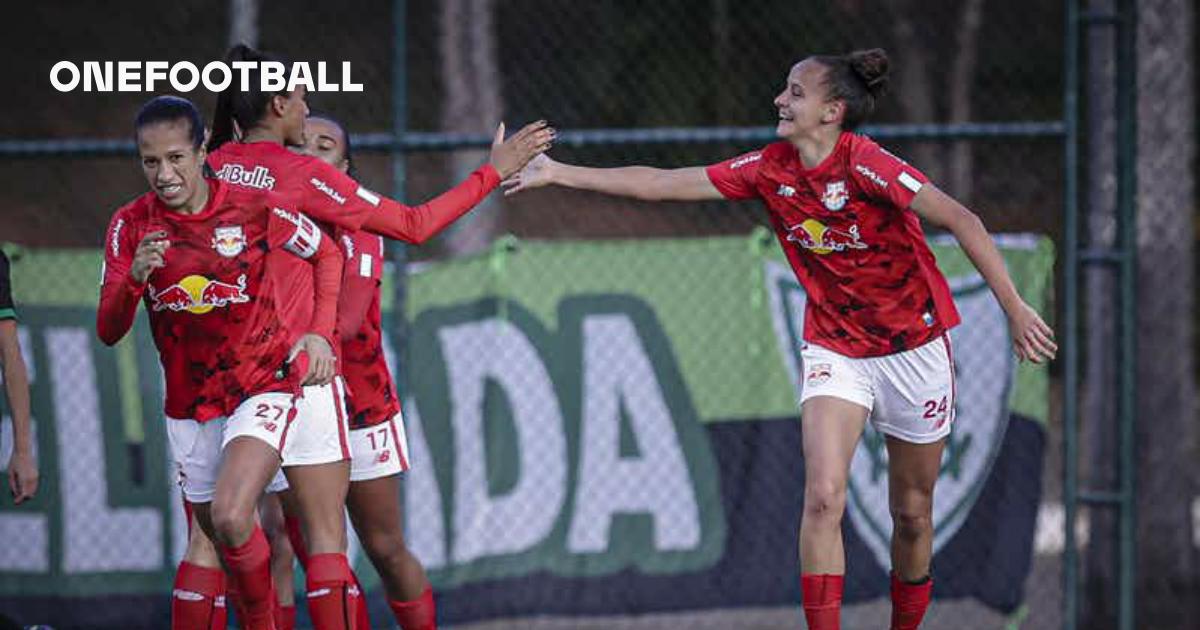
[(601, 410)]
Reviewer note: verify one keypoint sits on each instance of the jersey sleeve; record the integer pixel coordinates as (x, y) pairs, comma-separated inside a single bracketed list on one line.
[(331, 196), (119, 292), (735, 177), (7, 310), (885, 177), (300, 236), (361, 279), (417, 224)]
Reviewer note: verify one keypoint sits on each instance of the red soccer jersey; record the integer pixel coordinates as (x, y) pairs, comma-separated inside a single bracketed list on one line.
[(873, 285), (302, 182), (335, 199), (372, 394), (215, 307), (321, 191)]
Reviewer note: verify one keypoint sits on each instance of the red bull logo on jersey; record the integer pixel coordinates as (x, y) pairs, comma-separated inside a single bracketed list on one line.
[(259, 177), (229, 240), (822, 239), (198, 295), (835, 196)]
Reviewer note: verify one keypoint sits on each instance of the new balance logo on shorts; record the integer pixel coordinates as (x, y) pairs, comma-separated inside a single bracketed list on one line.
[(819, 373)]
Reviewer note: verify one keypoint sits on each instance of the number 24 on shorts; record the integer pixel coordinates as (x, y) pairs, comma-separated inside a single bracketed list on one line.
[(937, 410)]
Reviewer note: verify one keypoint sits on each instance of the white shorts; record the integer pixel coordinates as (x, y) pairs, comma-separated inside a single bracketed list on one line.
[(379, 451), (909, 395), (320, 431), (315, 433)]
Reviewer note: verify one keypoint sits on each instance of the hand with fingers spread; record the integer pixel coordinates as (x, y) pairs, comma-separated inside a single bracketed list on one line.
[(537, 173), (510, 156), (322, 365), (1033, 339), (149, 255)]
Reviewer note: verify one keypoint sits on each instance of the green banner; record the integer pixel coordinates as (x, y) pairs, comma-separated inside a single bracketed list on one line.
[(565, 413)]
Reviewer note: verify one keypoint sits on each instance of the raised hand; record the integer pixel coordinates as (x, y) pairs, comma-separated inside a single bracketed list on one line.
[(510, 156), (149, 255), (537, 173)]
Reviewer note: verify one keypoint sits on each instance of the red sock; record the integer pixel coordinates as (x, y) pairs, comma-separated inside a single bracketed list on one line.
[(285, 617), (333, 593), (362, 618), (822, 600), (198, 598), (419, 614), (296, 537), (250, 570), (909, 602)]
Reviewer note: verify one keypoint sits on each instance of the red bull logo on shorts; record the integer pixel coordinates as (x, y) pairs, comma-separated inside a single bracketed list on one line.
[(821, 239), (199, 295)]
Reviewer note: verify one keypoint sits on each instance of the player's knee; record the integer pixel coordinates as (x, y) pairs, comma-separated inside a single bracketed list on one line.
[(385, 548), (232, 523), (325, 536), (824, 500), (912, 515)]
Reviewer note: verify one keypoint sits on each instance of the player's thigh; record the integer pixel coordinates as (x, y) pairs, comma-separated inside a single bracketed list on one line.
[(830, 428), (912, 473), (319, 492), (835, 403), (253, 436), (374, 507), (915, 393)]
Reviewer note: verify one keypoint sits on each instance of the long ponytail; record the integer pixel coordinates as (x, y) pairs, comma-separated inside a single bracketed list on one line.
[(238, 110)]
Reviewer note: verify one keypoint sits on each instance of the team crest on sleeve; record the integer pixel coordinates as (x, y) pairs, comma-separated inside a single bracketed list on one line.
[(835, 196), (229, 240)]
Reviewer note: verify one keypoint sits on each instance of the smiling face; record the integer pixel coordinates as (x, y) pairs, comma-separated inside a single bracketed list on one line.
[(803, 104), (174, 169), (324, 140)]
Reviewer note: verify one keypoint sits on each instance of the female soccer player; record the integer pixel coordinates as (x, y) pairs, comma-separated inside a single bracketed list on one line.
[(846, 213), (206, 260), (269, 122), (378, 443)]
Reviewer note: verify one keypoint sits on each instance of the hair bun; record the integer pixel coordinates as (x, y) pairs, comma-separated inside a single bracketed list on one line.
[(872, 67)]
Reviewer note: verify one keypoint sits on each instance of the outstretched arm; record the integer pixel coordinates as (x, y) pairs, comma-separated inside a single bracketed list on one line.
[(417, 224), (639, 182), (1032, 338)]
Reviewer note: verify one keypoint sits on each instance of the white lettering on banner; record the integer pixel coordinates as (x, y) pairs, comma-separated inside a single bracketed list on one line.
[(26, 537), (497, 351), (97, 537), (618, 375)]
